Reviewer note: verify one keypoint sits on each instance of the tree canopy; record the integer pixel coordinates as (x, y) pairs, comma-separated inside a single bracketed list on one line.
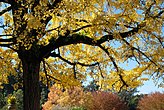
[(75, 39)]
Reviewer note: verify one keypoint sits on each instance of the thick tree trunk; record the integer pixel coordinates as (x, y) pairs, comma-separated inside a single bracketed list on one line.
[(31, 83)]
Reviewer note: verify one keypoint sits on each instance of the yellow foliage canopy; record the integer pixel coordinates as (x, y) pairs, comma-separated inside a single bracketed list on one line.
[(80, 38)]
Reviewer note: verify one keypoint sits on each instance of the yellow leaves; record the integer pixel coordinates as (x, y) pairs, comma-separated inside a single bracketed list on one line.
[(11, 100), (71, 15), (133, 79), (8, 18), (3, 79), (7, 58), (62, 73), (1, 86), (55, 21), (1, 50), (43, 2), (158, 2), (68, 81), (15, 86), (32, 21)]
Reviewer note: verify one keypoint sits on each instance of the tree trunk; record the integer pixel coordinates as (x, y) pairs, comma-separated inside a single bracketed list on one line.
[(31, 66)]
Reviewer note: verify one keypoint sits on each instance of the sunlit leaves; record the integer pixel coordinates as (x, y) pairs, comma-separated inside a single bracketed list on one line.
[(71, 97), (112, 81), (7, 62), (8, 19), (32, 22), (36, 25)]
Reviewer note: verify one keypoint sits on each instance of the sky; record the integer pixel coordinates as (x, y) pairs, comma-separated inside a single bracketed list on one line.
[(149, 87)]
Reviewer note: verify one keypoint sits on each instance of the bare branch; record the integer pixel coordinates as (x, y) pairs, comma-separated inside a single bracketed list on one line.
[(6, 40), (6, 35), (53, 29), (51, 71), (157, 37), (115, 65), (76, 30), (122, 80), (111, 58), (69, 62), (135, 57), (45, 71), (159, 14), (147, 14), (74, 71), (53, 78), (86, 26), (100, 70), (5, 1), (5, 10), (6, 45), (81, 20), (134, 48)]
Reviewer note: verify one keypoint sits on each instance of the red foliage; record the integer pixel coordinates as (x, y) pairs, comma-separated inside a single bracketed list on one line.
[(107, 101), (154, 101)]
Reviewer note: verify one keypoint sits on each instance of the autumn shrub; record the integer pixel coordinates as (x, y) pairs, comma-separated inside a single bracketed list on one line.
[(153, 101), (107, 101), (73, 97)]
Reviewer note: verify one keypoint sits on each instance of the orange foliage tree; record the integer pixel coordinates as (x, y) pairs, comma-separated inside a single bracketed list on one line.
[(71, 39), (77, 97), (72, 97)]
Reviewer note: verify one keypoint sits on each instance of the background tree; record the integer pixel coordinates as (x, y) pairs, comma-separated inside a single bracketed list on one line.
[(131, 98), (156, 100), (84, 38)]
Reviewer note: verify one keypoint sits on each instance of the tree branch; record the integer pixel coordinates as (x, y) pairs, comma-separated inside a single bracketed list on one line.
[(6, 35), (6, 40), (86, 26), (5, 10), (71, 63), (5, 1), (115, 65), (45, 71), (134, 48), (159, 14), (6, 45), (53, 77), (51, 71), (76, 38), (100, 70), (56, 2), (74, 71)]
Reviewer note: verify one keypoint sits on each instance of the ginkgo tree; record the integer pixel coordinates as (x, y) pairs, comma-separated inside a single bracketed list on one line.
[(83, 37)]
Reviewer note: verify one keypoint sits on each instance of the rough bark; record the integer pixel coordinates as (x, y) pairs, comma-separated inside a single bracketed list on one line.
[(31, 66)]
